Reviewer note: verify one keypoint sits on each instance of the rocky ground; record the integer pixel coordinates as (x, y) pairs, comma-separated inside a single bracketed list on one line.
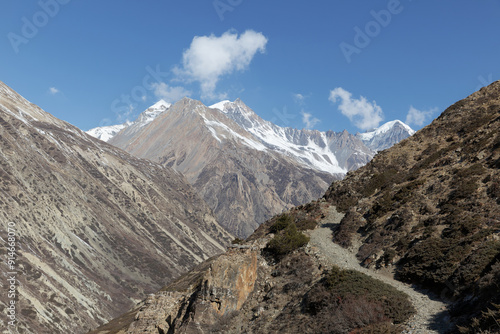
[(431, 316)]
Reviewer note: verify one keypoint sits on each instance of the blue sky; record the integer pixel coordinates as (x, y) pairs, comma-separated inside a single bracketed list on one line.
[(319, 64)]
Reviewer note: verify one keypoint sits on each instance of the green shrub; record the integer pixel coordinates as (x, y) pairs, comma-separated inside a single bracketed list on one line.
[(494, 191), (287, 241), (383, 205), (281, 223), (406, 192), (477, 263), (348, 226), (345, 283)]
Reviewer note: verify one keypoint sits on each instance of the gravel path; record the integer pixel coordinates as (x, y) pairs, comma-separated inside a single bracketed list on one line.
[(431, 314)]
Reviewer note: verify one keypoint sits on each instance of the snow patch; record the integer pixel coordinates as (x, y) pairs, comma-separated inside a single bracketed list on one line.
[(220, 105)]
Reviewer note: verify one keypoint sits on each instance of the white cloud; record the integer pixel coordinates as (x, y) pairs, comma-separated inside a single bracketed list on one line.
[(362, 113), (168, 93), (53, 90), (309, 120), (299, 98), (210, 57), (419, 117)]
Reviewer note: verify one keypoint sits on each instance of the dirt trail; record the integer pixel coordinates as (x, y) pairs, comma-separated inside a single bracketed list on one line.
[(431, 314)]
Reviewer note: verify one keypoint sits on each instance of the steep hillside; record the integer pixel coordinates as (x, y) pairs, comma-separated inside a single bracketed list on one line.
[(430, 206), (96, 229)]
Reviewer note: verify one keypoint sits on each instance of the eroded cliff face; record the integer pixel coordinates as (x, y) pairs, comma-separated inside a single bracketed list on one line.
[(213, 291)]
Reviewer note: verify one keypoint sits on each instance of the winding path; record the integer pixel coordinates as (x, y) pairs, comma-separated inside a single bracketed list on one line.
[(431, 314)]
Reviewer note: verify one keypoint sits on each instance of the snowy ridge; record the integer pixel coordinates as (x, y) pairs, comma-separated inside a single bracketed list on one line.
[(322, 151), (105, 133), (312, 152), (220, 105)]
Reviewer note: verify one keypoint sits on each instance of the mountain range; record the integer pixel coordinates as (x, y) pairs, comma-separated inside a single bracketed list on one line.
[(425, 212), (247, 169), (95, 228)]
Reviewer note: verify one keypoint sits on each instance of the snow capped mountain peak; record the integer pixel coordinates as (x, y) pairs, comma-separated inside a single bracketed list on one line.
[(152, 112), (105, 133), (384, 128), (309, 148), (160, 105), (386, 135)]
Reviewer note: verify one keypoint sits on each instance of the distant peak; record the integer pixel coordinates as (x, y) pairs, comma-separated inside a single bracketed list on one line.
[(388, 126), (162, 104)]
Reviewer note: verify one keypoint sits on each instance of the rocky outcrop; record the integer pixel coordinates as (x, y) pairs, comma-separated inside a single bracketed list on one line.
[(213, 291), (97, 229)]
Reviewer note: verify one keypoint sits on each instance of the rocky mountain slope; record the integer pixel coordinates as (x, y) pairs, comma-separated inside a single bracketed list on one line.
[(246, 168), (96, 228), (426, 210)]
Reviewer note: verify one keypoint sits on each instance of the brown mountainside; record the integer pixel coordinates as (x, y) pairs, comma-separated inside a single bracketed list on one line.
[(242, 182), (96, 228)]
